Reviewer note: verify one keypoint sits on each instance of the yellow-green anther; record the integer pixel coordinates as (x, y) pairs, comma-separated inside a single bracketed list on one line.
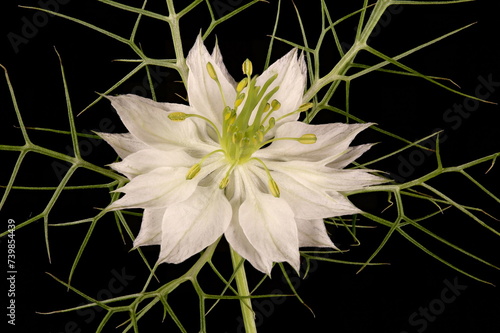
[(177, 116), (305, 107), (239, 100), (275, 105), (255, 140), (224, 182), (237, 136), (247, 67), (267, 108), (308, 139), (272, 122), (273, 188), (231, 119), (260, 136), (244, 141), (228, 112), (193, 171), (241, 85), (211, 71)]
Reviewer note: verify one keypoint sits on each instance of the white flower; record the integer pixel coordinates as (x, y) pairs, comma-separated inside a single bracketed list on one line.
[(235, 162)]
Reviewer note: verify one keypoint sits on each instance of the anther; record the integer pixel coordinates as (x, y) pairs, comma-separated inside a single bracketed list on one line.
[(247, 67), (267, 108), (304, 107), (177, 116), (224, 182), (193, 171), (272, 122), (275, 105), (239, 100), (307, 139), (241, 85), (211, 71), (273, 187)]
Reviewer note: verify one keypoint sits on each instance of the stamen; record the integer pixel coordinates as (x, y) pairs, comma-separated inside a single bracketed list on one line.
[(239, 100), (225, 181), (267, 107), (211, 71), (272, 185), (247, 67), (306, 139), (275, 104), (177, 116), (302, 108), (213, 76), (181, 116), (193, 171), (241, 85)]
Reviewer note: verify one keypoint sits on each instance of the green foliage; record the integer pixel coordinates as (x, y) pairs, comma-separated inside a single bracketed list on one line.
[(321, 91)]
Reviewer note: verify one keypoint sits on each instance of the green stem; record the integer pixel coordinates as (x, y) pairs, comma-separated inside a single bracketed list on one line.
[(242, 285), (177, 40)]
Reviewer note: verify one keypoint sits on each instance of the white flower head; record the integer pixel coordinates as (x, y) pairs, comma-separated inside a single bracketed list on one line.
[(235, 162)]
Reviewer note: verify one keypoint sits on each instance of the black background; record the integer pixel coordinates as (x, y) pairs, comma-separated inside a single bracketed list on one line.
[(379, 299)]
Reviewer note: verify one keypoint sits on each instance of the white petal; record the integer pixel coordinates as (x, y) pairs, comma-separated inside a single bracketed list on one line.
[(192, 225), (332, 141), (159, 188), (124, 144), (239, 242), (150, 233), (343, 206), (147, 160), (269, 225), (203, 92), (307, 202), (217, 56), (148, 121), (234, 233), (316, 176), (351, 180), (311, 190), (291, 81), (349, 156), (312, 233)]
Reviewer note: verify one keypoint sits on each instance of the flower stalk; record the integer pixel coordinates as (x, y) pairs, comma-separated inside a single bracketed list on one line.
[(242, 285)]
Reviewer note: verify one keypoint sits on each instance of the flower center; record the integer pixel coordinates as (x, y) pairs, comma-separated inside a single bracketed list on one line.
[(246, 123)]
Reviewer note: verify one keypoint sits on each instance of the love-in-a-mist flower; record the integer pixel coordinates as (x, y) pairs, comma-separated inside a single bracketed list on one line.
[(235, 162)]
